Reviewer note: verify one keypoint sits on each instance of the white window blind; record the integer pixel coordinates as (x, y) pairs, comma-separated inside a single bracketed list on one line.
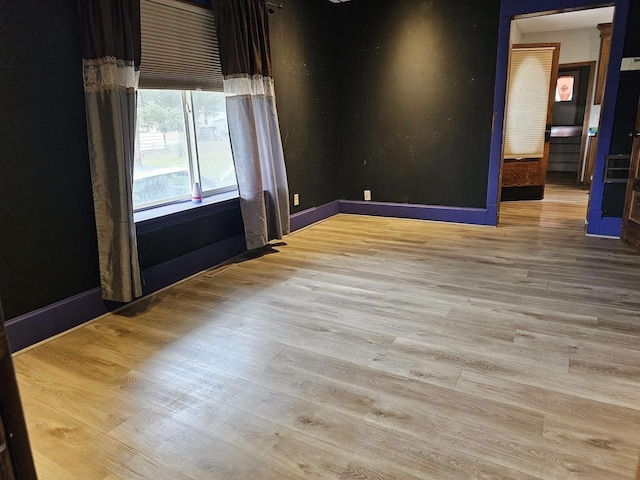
[(179, 47), (528, 102)]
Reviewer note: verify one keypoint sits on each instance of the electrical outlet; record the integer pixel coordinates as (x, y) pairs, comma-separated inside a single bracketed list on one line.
[(296, 199), (367, 195)]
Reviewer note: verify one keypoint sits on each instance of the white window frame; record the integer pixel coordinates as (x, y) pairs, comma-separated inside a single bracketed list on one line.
[(193, 165), (180, 52)]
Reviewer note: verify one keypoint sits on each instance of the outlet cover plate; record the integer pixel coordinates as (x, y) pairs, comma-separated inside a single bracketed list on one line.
[(367, 195), (296, 199)]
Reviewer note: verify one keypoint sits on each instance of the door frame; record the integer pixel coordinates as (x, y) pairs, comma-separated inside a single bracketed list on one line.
[(508, 10), (628, 198)]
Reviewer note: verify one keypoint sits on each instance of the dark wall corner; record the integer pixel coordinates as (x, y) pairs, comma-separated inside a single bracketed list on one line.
[(303, 44)]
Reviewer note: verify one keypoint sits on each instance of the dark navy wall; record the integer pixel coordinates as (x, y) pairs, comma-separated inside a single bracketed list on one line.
[(625, 114), (629, 88), (416, 99), (305, 51)]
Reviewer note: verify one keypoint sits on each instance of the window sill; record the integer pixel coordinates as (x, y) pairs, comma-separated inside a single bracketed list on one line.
[(166, 215)]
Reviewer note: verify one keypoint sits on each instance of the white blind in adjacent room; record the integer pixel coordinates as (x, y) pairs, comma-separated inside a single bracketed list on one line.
[(179, 47), (527, 102)]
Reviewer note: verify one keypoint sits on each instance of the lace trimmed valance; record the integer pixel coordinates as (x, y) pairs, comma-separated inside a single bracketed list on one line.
[(109, 73), (239, 84)]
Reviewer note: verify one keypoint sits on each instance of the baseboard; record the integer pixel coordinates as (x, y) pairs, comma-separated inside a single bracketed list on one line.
[(473, 216), (610, 227), (492, 214), (603, 226), (45, 322), (313, 215)]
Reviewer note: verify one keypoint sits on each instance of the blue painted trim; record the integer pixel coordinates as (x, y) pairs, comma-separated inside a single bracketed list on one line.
[(56, 318), (43, 323), (609, 227), (53, 319), (596, 224), (510, 8), (492, 214), (473, 216), (312, 215), (499, 103)]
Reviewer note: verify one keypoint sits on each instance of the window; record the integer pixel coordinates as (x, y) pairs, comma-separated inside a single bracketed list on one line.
[(181, 138), (182, 134), (530, 71)]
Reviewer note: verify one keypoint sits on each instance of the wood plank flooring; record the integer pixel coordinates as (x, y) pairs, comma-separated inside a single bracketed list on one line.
[(362, 348)]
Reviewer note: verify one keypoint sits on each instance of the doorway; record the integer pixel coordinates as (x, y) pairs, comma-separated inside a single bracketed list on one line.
[(512, 9), (631, 216), (571, 121), (580, 45), (570, 129)]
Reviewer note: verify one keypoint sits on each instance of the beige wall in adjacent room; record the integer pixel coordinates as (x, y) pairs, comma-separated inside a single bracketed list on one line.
[(580, 45)]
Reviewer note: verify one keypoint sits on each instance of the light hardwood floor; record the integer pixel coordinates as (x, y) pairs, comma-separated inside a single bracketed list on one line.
[(362, 348)]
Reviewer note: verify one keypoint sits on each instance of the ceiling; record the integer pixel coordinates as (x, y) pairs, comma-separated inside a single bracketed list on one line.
[(566, 21)]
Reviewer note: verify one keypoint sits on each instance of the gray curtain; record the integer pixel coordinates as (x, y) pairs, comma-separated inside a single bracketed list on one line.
[(111, 59), (243, 37)]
